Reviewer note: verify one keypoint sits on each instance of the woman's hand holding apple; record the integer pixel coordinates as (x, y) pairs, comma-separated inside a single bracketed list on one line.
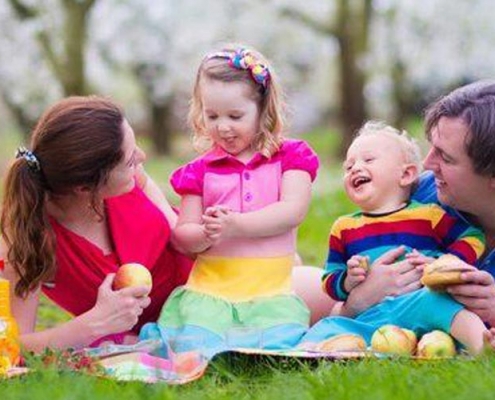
[(117, 311)]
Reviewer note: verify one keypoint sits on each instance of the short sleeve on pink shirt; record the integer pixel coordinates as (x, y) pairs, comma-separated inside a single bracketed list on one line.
[(189, 178), (293, 155), (296, 154)]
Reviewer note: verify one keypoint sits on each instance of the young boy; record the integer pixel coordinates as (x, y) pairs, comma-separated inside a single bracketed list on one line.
[(381, 169)]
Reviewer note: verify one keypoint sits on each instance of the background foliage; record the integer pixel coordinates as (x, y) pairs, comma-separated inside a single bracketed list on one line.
[(341, 61)]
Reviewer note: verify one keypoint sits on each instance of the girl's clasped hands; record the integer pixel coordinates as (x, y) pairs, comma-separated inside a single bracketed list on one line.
[(219, 223)]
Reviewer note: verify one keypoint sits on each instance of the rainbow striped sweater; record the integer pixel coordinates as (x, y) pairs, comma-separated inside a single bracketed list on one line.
[(424, 227)]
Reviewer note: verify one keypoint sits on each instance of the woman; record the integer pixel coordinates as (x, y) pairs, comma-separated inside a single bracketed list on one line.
[(76, 206)]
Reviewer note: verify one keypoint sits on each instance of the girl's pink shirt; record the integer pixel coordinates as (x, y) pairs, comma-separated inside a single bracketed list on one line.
[(221, 179)]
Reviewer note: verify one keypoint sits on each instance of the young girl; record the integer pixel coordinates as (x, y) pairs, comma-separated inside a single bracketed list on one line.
[(242, 201)]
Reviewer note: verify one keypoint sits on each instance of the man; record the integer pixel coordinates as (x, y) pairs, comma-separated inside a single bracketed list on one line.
[(461, 130)]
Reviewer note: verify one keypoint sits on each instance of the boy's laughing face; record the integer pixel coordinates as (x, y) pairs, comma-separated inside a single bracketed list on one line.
[(374, 170)]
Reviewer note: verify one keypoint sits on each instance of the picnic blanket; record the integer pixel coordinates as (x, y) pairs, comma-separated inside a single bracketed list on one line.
[(137, 362)]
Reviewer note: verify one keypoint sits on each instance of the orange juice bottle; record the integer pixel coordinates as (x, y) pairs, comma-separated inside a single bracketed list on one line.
[(9, 332)]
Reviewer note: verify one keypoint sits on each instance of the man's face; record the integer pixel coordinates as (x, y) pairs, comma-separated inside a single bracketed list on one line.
[(458, 185)]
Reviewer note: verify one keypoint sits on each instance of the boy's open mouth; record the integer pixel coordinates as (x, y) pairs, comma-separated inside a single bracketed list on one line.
[(359, 181)]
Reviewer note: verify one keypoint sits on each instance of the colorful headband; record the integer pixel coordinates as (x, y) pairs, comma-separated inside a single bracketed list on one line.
[(246, 60), (31, 160)]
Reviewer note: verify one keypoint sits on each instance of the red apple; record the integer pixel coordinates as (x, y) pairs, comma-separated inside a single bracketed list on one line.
[(132, 274)]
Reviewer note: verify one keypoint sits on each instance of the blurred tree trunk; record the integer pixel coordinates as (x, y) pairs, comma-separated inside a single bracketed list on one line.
[(23, 120), (351, 30), (161, 122), (160, 108), (353, 20), (68, 65), (400, 94)]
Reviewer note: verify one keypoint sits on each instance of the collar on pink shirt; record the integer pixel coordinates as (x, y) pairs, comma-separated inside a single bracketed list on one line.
[(218, 154)]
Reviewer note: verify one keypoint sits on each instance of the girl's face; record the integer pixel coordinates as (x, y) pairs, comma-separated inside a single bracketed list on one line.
[(374, 173), (121, 177), (231, 116)]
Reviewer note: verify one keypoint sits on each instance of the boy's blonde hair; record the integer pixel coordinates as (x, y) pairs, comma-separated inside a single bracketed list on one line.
[(408, 145), (269, 100)]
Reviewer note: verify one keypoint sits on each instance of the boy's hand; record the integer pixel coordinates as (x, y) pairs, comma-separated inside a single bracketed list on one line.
[(418, 259), (357, 269)]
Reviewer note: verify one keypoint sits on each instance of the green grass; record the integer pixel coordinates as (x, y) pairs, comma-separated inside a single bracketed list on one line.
[(226, 379), (370, 379)]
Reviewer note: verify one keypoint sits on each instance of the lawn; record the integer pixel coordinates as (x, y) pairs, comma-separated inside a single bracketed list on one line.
[(370, 379)]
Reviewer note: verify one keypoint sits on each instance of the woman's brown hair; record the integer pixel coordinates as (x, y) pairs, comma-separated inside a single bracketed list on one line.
[(76, 142)]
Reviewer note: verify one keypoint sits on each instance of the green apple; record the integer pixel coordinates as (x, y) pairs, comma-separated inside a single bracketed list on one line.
[(393, 339), (436, 344)]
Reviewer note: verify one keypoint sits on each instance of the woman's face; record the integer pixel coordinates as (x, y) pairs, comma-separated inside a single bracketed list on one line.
[(122, 177)]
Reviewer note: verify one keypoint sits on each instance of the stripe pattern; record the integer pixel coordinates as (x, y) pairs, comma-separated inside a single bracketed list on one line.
[(424, 227)]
